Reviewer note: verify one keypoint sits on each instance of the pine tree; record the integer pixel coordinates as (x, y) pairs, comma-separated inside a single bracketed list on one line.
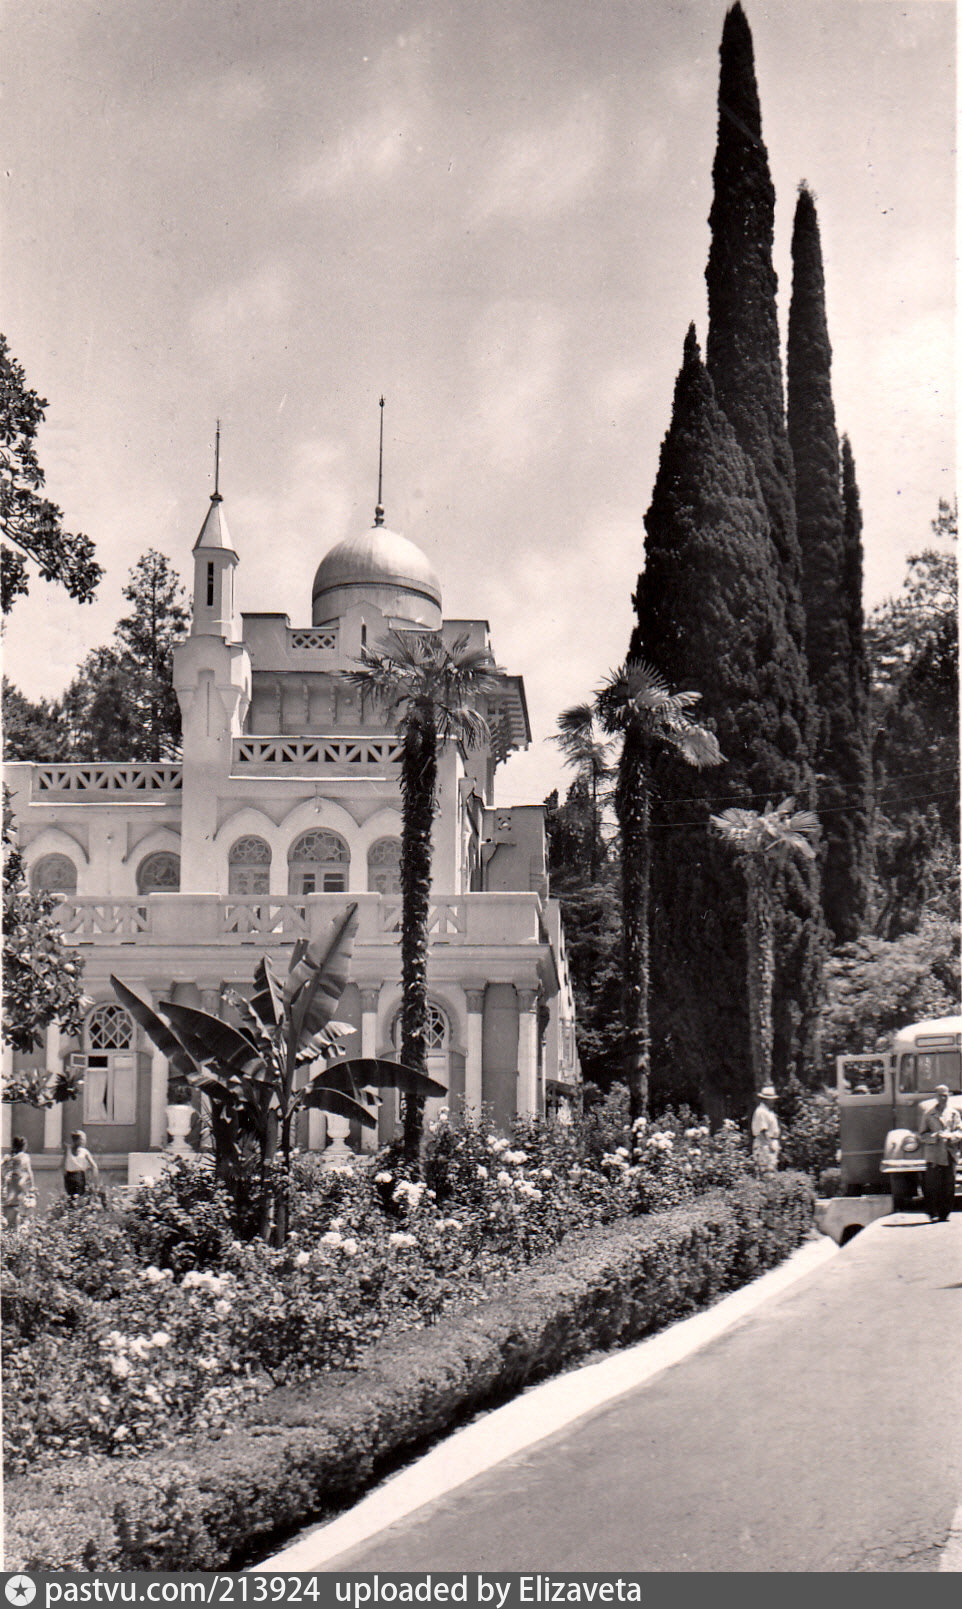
[(828, 569), (711, 618)]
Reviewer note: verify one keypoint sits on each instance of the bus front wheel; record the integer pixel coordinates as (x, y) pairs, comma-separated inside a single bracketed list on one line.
[(903, 1191)]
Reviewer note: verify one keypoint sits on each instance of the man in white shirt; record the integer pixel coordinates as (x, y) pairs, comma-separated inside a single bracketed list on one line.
[(766, 1133), (941, 1134)]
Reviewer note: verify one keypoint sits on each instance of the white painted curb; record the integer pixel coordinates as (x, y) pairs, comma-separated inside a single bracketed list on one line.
[(537, 1414)]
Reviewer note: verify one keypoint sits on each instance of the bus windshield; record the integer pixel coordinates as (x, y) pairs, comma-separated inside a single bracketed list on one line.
[(920, 1072)]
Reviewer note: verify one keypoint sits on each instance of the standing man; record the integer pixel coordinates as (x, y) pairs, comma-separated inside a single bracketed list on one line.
[(941, 1132), (766, 1133), (78, 1166)]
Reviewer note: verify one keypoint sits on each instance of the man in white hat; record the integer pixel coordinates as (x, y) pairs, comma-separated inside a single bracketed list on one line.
[(765, 1131), (941, 1134)]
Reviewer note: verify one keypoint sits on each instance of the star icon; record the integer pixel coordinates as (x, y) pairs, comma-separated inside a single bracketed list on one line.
[(20, 1590)]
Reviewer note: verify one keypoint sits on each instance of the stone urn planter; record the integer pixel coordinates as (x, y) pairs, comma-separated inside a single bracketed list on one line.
[(179, 1119)]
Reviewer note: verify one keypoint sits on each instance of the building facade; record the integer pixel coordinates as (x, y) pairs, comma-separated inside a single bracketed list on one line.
[(284, 805)]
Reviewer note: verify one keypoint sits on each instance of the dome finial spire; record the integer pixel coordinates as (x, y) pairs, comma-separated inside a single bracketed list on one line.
[(379, 511), (215, 494)]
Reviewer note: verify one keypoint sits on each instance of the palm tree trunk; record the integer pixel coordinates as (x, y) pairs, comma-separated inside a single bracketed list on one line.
[(761, 972), (633, 809), (419, 771)]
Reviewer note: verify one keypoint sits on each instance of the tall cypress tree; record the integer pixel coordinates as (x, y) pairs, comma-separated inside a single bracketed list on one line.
[(744, 363), (711, 619), (841, 747), (743, 352)]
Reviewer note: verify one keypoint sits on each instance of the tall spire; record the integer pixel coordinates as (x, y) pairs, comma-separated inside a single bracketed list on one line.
[(215, 494), (379, 511)]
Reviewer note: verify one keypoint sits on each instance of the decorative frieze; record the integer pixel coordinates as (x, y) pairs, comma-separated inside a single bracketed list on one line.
[(93, 781), (306, 752)]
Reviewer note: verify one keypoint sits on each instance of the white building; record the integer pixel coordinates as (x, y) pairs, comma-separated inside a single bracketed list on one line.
[(286, 802)]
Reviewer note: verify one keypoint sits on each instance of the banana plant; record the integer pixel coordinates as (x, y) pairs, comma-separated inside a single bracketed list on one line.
[(258, 1076)]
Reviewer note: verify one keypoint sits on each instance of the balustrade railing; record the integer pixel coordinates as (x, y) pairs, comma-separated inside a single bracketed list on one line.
[(90, 918), (310, 639), (92, 781), (172, 919), (349, 752)]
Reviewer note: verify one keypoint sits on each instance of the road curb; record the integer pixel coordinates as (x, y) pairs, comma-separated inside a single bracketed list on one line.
[(537, 1414)]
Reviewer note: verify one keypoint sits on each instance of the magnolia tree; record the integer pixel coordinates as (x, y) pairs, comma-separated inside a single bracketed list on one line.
[(286, 1056)]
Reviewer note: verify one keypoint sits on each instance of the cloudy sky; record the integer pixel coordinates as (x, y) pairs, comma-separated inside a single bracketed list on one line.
[(495, 213)]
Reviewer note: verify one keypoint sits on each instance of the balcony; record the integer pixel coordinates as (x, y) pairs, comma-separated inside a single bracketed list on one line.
[(189, 920)]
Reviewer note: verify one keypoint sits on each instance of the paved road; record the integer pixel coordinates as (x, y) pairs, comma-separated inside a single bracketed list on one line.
[(823, 1434)]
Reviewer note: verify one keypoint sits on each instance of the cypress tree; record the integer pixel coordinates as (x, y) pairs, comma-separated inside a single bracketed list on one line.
[(743, 355), (711, 619), (831, 589)]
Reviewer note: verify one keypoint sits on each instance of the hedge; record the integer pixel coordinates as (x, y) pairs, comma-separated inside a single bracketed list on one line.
[(303, 1453)]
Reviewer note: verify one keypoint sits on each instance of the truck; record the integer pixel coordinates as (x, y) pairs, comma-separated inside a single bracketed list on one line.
[(882, 1098)]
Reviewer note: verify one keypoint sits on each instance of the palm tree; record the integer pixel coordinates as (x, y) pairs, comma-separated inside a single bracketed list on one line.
[(762, 842), (430, 691), (636, 705), (590, 757)]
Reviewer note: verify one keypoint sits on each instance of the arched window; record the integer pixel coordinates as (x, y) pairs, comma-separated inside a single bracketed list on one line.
[(110, 1072), (54, 874), (249, 867), (436, 1037), (318, 864), (109, 1027), (384, 866), (159, 873)]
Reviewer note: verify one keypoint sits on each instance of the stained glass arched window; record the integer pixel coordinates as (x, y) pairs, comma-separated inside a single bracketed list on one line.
[(249, 866), (384, 866), (318, 863), (159, 873), (54, 874)]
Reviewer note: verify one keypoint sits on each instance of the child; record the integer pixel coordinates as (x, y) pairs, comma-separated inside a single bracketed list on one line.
[(77, 1164), (19, 1191)]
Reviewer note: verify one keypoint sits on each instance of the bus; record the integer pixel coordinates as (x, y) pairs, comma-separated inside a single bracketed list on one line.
[(881, 1100)]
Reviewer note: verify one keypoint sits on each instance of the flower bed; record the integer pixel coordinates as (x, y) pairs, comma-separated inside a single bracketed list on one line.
[(296, 1454), (124, 1331)]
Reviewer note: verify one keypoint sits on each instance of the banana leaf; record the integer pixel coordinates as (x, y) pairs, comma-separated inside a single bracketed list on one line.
[(212, 1039), (372, 1072), (313, 988), (342, 1105), (267, 1001), (160, 1032)]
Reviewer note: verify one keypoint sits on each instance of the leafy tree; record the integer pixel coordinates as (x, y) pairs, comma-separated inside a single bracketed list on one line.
[(875, 986), (710, 615), (122, 704), (762, 840), (914, 653), (28, 521), (257, 1077), (431, 692), (590, 911), (636, 706), (32, 731), (842, 750), (41, 975)]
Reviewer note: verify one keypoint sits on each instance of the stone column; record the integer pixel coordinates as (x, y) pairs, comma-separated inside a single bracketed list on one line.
[(53, 1116), (368, 1047), (159, 1072), (473, 1063), (528, 1092)]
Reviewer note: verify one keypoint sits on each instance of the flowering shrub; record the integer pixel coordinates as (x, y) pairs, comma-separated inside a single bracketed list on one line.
[(121, 1329)]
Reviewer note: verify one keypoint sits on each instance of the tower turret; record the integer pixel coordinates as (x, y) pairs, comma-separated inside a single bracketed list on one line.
[(214, 564)]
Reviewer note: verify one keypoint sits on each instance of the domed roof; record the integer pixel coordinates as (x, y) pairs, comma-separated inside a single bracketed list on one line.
[(379, 558)]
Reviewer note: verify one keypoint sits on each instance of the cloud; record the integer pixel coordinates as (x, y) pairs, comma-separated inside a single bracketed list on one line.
[(517, 353), (542, 172), (248, 311), (309, 508), (370, 151)]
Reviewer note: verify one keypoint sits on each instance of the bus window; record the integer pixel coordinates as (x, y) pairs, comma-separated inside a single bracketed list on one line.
[(862, 1075), (922, 1072)]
